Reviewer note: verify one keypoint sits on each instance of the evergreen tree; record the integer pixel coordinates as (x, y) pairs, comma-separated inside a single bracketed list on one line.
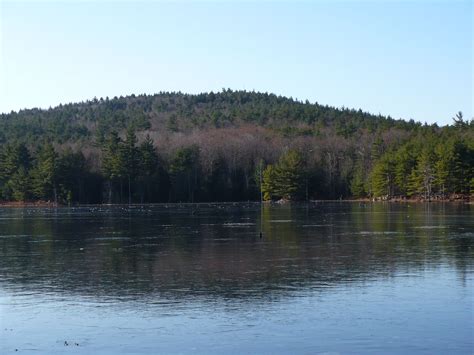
[(285, 179), (444, 167), (289, 175), (405, 162), (148, 167), (15, 162), (378, 148), (357, 186), (422, 178), (72, 176), (269, 183), (129, 153), (19, 185), (463, 167), (112, 164), (459, 120), (184, 173), (383, 177), (45, 174)]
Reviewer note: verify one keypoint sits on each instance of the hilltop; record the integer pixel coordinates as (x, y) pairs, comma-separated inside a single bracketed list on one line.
[(178, 112)]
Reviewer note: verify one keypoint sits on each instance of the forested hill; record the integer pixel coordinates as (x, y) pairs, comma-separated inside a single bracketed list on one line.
[(179, 112), (230, 145)]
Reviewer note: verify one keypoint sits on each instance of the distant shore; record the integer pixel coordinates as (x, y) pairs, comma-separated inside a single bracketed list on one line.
[(29, 204), (49, 204), (457, 198)]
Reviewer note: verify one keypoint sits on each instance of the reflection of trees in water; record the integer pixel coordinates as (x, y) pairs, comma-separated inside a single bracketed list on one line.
[(216, 250)]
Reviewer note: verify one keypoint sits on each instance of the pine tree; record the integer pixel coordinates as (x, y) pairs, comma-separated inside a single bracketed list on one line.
[(444, 167), (147, 167), (422, 178), (378, 148), (112, 164), (357, 183), (383, 177), (405, 162), (289, 175), (129, 153), (269, 183), (45, 174), (414, 183), (183, 170), (13, 158), (463, 167), (72, 174), (19, 185)]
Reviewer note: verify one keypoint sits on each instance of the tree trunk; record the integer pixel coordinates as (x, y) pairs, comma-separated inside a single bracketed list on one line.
[(110, 192), (307, 199), (55, 194), (129, 192)]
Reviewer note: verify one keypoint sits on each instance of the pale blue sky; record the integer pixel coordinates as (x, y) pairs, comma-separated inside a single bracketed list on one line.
[(404, 59)]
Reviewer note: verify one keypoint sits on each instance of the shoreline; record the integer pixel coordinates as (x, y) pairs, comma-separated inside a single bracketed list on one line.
[(48, 204)]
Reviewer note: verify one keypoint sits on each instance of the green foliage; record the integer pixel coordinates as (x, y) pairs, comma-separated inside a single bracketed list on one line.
[(113, 167), (148, 161), (184, 173), (129, 154), (422, 177), (73, 174), (148, 170), (378, 148), (183, 160), (172, 123), (19, 185), (463, 166), (112, 163), (427, 166), (289, 175), (45, 174), (405, 162), (444, 166), (269, 183), (216, 141), (96, 119), (383, 176), (345, 129), (15, 162), (358, 186), (285, 179)]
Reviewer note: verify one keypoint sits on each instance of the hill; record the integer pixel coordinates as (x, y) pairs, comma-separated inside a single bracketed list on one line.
[(226, 146), (179, 112)]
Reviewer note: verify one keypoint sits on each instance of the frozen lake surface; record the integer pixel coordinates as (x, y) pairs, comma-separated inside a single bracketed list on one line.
[(325, 278)]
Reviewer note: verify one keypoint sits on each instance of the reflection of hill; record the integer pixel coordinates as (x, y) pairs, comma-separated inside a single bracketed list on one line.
[(216, 251)]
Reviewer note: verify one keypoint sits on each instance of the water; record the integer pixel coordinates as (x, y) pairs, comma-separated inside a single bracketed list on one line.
[(325, 278)]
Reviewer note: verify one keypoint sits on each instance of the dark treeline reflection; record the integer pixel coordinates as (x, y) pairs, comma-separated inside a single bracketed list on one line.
[(175, 251)]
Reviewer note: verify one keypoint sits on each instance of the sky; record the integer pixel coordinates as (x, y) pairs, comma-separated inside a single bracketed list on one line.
[(407, 59)]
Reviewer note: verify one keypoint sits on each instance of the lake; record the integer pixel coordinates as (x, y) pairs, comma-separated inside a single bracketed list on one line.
[(324, 278)]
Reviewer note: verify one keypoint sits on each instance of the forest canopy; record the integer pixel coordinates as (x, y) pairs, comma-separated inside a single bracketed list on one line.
[(227, 146)]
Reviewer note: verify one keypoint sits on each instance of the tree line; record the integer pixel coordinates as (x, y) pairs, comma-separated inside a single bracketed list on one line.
[(434, 167), (226, 146), (434, 163)]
